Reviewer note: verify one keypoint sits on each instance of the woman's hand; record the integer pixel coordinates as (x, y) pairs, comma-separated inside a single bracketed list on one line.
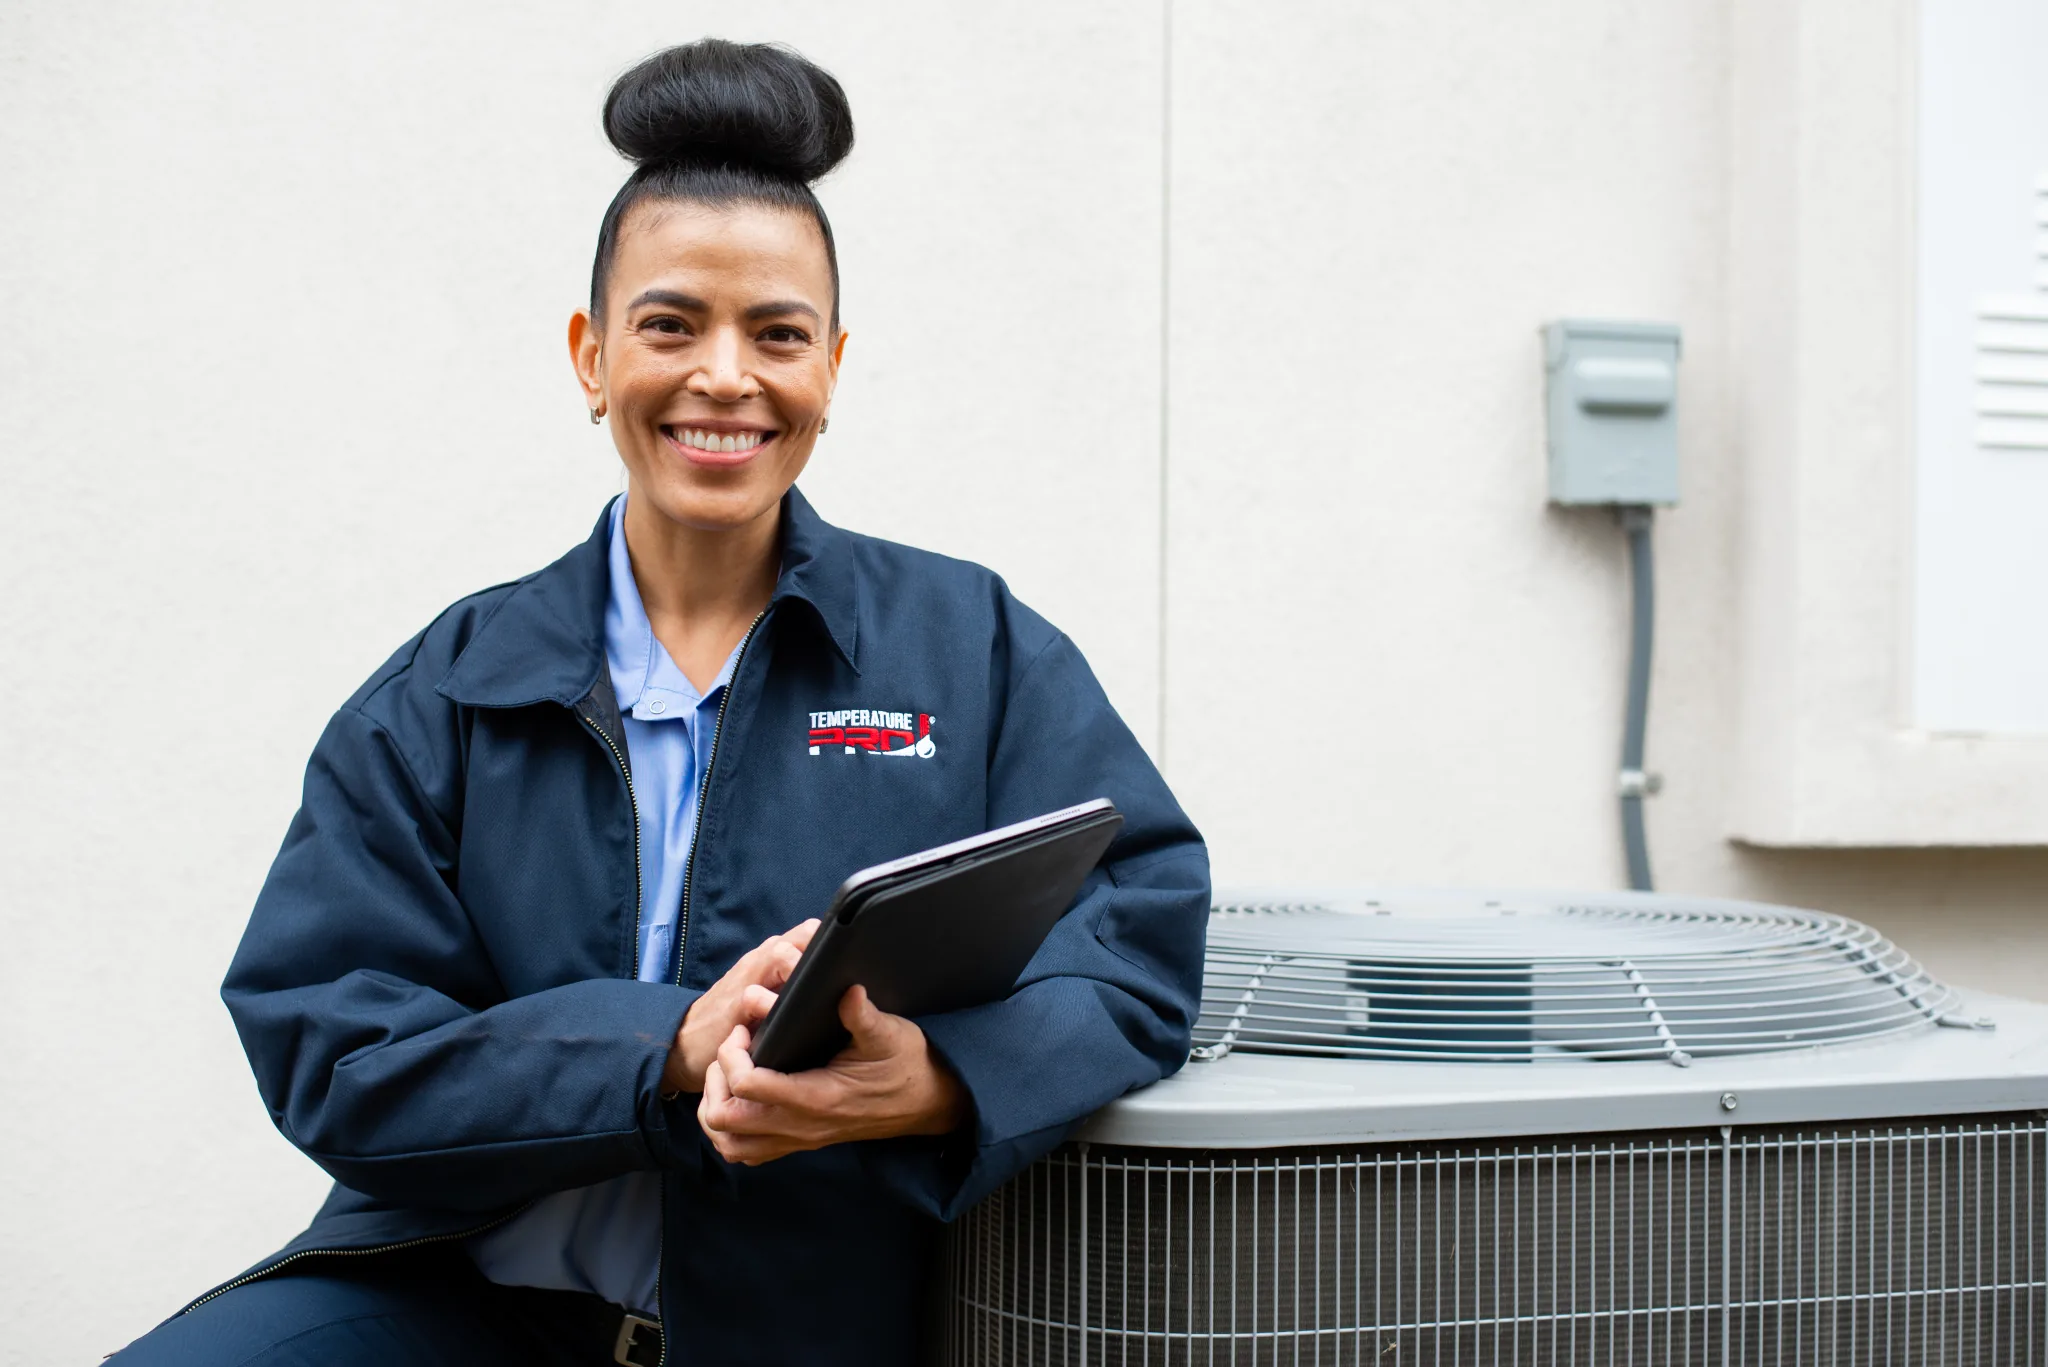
[(885, 1083), (743, 996)]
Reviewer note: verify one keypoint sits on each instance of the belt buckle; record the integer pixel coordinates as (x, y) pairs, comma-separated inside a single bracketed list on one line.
[(630, 1340)]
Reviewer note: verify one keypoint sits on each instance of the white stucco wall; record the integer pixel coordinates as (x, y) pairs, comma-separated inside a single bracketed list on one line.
[(285, 374)]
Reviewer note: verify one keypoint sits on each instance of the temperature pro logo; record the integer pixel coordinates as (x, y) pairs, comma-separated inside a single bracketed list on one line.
[(859, 730)]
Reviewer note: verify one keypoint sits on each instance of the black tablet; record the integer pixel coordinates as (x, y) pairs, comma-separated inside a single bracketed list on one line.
[(947, 928)]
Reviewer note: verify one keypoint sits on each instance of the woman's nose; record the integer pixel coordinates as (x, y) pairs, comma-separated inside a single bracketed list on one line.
[(723, 376)]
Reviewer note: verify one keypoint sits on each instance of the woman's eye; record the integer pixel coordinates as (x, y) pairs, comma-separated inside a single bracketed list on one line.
[(669, 327), (787, 335)]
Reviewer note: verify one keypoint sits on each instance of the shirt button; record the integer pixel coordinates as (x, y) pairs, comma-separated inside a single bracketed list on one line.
[(657, 707)]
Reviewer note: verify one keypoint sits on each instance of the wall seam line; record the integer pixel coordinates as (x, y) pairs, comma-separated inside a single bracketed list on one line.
[(1165, 340)]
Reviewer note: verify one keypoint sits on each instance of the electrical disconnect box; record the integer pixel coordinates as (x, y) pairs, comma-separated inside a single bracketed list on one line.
[(1613, 401)]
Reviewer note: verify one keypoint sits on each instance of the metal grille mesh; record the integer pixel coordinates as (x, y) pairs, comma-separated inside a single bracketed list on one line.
[(1527, 981), (1908, 1243)]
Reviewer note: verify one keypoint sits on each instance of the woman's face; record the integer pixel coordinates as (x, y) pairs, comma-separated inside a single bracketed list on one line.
[(716, 360)]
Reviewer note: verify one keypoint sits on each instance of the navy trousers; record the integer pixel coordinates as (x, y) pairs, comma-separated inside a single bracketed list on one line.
[(391, 1311)]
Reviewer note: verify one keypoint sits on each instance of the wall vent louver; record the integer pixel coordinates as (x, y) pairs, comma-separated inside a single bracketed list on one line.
[(1363, 1166), (2012, 354)]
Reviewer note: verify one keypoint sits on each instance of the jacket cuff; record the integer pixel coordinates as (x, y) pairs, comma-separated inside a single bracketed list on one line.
[(945, 1175), (669, 1126)]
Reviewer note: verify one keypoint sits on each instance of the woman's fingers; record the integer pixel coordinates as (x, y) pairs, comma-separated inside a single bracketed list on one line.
[(728, 1110), (787, 947), (742, 996), (771, 959), (776, 957), (780, 964), (755, 1115), (761, 1086), (876, 1033), (733, 1055), (713, 1114), (712, 1104), (857, 1012), (754, 1091), (783, 948)]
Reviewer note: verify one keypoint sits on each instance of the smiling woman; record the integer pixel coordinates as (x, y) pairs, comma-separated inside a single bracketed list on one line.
[(556, 857), (712, 339)]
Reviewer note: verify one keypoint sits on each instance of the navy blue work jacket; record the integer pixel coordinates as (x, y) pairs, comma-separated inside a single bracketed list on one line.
[(436, 987)]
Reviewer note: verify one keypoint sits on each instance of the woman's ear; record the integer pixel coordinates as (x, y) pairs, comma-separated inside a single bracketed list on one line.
[(586, 358), (838, 352)]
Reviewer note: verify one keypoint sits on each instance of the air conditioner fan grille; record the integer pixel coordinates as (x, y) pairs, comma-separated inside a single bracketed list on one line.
[(1531, 982)]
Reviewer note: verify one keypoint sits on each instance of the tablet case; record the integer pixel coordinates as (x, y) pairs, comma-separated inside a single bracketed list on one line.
[(951, 927)]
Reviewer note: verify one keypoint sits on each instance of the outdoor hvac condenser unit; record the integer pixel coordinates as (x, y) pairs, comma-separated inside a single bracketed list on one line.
[(1622, 1128)]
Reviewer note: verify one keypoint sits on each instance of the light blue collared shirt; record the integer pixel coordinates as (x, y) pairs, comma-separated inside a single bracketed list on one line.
[(607, 1238)]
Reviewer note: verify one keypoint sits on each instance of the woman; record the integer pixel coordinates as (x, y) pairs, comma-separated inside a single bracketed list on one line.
[(556, 856)]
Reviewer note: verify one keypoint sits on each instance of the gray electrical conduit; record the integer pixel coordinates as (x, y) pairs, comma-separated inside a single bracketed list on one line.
[(1636, 784)]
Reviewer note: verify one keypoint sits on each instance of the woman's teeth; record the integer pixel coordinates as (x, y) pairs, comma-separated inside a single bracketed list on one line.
[(717, 441)]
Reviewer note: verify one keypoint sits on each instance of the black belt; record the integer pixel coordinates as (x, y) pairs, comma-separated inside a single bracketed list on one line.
[(571, 1326), (576, 1325)]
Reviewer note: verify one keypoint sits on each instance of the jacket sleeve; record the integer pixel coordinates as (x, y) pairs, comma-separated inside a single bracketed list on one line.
[(1109, 1002), (379, 1033)]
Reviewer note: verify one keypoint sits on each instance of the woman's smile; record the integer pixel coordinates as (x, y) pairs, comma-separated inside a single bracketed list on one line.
[(718, 445)]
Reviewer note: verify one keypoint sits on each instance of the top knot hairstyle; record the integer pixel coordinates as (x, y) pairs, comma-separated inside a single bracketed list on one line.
[(713, 122)]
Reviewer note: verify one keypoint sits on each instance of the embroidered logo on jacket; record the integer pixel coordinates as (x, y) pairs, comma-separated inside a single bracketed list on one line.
[(892, 735)]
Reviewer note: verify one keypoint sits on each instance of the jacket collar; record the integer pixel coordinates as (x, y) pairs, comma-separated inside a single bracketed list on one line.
[(545, 641)]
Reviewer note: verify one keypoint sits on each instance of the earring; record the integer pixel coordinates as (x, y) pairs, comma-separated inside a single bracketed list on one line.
[(595, 417), (823, 423)]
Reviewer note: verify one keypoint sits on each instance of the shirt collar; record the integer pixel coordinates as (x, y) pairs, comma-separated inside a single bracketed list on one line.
[(645, 680)]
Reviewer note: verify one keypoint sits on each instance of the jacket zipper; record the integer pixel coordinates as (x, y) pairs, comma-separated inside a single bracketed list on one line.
[(626, 773), (262, 1272), (704, 794), (683, 934), (639, 900)]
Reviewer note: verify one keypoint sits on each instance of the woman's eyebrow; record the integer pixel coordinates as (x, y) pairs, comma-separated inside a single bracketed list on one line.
[(672, 298), (780, 306)]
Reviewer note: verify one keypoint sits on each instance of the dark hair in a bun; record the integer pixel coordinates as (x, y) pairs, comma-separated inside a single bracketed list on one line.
[(714, 122)]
